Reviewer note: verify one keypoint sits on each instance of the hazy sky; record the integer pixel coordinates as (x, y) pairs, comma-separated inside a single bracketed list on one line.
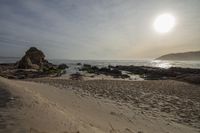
[(97, 29)]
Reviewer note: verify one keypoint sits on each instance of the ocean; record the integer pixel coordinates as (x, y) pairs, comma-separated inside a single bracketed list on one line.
[(74, 68), (103, 63)]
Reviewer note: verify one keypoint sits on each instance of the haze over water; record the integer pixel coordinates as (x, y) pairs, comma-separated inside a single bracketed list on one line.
[(102, 63)]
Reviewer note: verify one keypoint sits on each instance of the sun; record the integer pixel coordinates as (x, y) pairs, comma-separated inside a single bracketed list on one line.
[(164, 23)]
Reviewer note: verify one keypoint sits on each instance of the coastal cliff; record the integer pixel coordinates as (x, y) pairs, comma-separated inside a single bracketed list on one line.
[(181, 56)]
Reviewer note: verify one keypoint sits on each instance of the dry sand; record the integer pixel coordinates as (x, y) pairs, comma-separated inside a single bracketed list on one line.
[(99, 106)]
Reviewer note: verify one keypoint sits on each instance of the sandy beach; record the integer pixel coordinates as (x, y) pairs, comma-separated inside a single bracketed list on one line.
[(50, 105), (99, 66)]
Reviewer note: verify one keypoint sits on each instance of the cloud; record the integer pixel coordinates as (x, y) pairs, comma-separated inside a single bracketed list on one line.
[(97, 29)]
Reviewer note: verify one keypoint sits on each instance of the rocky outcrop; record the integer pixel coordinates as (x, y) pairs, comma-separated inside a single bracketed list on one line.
[(190, 75), (33, 59), (31, 65), (108, 71)]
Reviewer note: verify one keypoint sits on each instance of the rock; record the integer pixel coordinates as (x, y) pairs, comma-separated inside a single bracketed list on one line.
[(33, 59), (31, 65), (190, 78), (78, 64), (108, 71), (62, 66), (76, 76), (166, 109), (49, 65), (190, 75), (87, 66)]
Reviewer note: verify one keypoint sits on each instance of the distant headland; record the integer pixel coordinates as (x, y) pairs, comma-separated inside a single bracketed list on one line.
[(195, 55)]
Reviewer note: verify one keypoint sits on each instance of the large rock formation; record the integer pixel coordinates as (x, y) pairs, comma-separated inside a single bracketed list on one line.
[(31, 65), (33, 59)]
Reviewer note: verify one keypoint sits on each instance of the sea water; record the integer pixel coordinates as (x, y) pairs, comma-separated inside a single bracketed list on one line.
[(73, 67)]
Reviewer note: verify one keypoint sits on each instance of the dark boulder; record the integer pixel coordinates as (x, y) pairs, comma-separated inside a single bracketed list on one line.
[(78, 64), (76, 76), (62, 66)]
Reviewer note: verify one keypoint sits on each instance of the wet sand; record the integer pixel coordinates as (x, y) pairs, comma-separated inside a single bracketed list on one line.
[(4, 100), (8, 105)]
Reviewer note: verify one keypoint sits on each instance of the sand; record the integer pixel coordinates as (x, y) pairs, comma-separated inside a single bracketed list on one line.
[(99, 106)]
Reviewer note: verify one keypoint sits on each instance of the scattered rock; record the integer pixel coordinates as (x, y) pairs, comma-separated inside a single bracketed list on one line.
[(108, 71), (190, 78), (190, 75), (127, 130), (76, 76), (78, 64), (166, 109), (113, 113), (62, 66)]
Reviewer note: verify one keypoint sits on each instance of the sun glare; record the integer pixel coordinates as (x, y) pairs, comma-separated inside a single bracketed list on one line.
[(164, 23)]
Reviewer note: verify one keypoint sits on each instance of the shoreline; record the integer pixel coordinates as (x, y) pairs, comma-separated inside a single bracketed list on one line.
[(126, 72)]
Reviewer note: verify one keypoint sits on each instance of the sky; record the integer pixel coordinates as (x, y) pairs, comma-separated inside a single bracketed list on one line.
[(97, 29)]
